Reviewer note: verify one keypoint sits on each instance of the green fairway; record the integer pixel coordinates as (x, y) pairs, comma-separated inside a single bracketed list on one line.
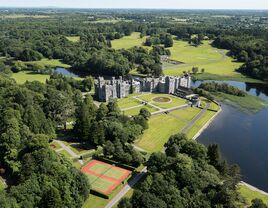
[(182, 51), (128, 41), (174, 101), (136, 111), (23, 76), (249, 194), (49, 62), (73, 39), (213, 60), (161, 127)]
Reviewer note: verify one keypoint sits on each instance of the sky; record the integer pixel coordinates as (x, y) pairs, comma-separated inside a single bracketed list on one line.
[(167, 4)]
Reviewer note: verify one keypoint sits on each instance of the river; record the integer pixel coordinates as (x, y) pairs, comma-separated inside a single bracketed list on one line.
[(242, 137)]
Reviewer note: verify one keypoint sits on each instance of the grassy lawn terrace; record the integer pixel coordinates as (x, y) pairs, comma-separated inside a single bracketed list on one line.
[(136, 111), (161, 127), (175, 101), (128, 102)]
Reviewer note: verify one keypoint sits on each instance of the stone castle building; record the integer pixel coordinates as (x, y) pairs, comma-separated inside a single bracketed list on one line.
[(119, 88)]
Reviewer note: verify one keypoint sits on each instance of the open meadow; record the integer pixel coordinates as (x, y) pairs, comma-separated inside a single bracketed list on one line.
[(128, 41), (23, 76)]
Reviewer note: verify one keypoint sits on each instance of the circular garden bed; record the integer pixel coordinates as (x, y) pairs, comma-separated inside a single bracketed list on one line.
[(161, 99)]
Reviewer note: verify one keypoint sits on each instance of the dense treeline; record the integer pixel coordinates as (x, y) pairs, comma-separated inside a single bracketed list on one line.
[(165, 39), (253, 52), (222, 87), (36, 176), (187, 175), (107, 127), (20, 39)]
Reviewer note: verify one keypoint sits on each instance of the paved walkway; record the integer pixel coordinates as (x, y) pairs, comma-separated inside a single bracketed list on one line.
[(126, 188), (198, 116), (67, 149)]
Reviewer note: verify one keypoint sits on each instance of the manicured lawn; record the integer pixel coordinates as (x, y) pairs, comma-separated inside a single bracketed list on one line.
[(49, 62), (127, 102), (128, 41), (182, 51), (136, 111), (248, 194), (23, 76), (73, 39), (199, 124), (161, 127), (174, 101)]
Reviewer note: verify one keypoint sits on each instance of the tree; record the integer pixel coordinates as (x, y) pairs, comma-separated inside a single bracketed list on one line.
[(58, 106), (145, 113), (258, 203), (195, 70)]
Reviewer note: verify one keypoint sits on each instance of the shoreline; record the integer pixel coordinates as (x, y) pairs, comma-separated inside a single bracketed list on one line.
[(253, 188), (207, 124)]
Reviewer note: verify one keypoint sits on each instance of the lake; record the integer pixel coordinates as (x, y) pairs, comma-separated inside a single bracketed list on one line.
[(65, 72), (243, 137), (255, 89)]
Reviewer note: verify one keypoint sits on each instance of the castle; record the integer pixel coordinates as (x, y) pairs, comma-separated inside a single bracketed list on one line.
[(119, 88)]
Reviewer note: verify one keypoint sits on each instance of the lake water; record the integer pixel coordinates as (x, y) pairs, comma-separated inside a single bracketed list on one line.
[(243, 137), (65, 72), (255, 89)]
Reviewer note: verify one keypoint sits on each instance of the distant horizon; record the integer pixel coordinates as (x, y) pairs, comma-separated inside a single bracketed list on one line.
[(139, 4), (125, 8)]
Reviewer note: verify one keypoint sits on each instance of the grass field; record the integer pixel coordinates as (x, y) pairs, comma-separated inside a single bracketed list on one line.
[(136, 111), (127, 102), (23, 76), (199, 124), (161, 127), (249, 194), (175, 101), (104, 177), (49, 62), (213, 60), (248, 103), (128, 41), (73, 39)]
